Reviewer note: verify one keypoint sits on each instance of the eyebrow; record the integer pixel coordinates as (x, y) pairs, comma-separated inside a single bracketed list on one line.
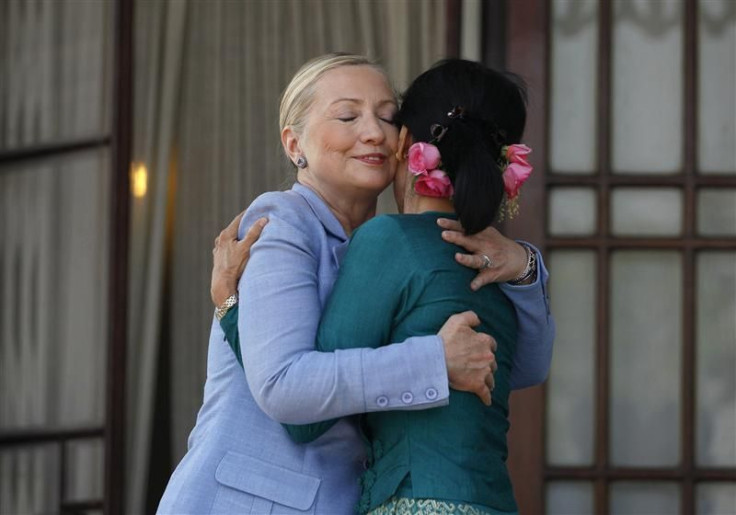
[(359, 101)]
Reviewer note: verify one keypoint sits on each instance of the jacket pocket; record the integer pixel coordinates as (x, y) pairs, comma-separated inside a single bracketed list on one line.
[(268, 481)]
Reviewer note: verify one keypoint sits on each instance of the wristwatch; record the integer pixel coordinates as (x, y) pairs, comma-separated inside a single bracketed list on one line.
[(222, 310)]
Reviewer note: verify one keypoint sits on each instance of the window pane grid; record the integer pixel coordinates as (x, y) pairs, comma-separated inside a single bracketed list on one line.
[(689, 181), (701, 474), (567, 179), (604, 243)]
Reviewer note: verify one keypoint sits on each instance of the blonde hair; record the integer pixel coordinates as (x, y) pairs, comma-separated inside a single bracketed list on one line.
[(299, 94)]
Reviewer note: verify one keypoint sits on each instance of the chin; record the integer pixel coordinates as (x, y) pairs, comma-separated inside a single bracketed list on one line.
[(376, 189), (374, 184)]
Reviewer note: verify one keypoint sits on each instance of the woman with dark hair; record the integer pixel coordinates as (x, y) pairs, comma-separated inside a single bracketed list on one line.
[(461, 124)]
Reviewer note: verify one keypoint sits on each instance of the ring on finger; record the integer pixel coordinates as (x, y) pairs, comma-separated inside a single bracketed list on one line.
[(487, 263)]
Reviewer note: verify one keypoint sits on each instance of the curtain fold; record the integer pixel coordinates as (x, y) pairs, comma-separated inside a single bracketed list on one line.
[(160, 28)]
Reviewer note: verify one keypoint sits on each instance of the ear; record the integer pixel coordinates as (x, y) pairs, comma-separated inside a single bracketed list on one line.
[(290, 142), (405, 141)]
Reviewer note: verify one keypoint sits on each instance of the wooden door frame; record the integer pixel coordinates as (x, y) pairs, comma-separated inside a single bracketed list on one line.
[(526, 55), (122, 138)]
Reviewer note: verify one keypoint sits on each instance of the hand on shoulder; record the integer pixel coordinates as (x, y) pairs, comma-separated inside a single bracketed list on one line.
[(230, 257), (496, 257)]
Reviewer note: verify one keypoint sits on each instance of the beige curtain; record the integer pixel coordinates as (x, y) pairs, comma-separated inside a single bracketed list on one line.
[(159, 44), (54, 77), (239, 55)]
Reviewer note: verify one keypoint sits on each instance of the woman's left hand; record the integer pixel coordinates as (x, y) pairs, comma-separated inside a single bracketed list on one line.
[(497, 258), (230, 256)]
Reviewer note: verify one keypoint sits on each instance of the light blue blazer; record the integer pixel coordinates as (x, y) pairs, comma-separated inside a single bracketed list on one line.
[(240, 459)]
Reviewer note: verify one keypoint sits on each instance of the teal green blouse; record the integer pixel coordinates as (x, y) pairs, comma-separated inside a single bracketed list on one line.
[(399, 279)]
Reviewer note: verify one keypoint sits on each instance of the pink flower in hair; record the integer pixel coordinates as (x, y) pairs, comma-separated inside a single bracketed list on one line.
[(423, 157), (517, 154), (435, 184), (518, 169)]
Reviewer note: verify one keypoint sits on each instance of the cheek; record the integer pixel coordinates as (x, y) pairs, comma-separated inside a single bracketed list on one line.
[(337, 141), (392, 138), (325, 143)]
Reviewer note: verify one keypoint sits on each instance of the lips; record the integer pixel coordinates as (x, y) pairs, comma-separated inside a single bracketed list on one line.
[(375, 159)]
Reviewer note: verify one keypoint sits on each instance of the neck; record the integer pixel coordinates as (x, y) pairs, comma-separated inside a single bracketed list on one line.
[(350, 210), (416, 204)]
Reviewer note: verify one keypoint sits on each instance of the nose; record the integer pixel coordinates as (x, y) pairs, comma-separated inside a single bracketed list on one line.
[(373, 130)]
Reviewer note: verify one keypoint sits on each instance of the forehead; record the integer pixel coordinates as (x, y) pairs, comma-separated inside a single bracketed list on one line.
[(362, 83)]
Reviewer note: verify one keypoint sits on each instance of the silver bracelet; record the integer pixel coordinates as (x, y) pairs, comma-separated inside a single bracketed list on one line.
[(531, 266)]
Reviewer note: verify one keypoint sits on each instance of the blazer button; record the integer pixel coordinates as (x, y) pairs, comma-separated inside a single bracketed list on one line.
[(407, 397), (382, 401), (431, 394)]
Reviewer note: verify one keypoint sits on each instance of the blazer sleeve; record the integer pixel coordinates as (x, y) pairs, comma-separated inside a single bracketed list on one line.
[(364, 301), (536, 335), (278, 319)]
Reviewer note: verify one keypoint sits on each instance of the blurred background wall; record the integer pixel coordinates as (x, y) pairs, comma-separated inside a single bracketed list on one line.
[(633, 124)]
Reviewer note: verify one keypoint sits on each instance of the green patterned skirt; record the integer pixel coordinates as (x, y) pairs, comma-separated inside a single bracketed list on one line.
[(404, 505)]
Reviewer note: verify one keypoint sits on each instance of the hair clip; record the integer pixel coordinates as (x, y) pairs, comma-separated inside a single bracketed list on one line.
[(456, 112), (437, 131)]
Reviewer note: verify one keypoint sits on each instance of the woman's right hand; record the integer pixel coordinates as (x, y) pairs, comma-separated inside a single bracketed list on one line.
[(506, 259), (469, 356), (230, 256)]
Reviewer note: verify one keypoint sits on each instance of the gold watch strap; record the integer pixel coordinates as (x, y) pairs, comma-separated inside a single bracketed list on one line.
[(222, 310)]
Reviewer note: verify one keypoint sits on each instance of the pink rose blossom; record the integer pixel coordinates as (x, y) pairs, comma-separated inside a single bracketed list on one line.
[(517, 154), (514, 177), (423, 157), (435, 184)]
